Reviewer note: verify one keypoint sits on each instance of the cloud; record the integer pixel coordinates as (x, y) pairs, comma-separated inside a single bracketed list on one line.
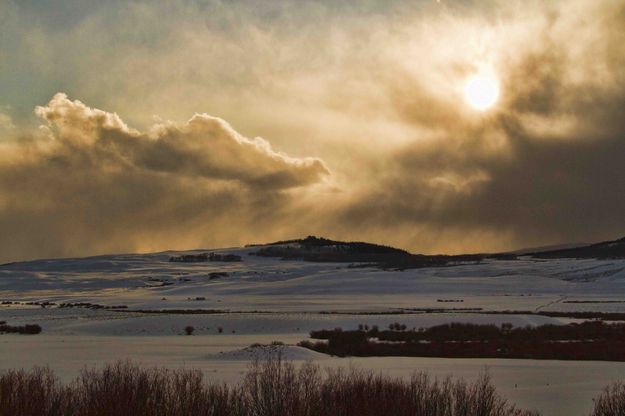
[(6, 123), (204, 147), (376, 92), (94, 184), (543, 167)]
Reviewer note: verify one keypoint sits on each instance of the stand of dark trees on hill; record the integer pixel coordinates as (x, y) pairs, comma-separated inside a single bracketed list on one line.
[(593, 340), (318, 249), (203, 257)]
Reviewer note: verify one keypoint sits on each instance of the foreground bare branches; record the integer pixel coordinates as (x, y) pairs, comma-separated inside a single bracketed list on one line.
[(611, 402), (270, 388)]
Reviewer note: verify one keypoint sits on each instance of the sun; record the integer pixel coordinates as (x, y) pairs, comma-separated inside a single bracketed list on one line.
[(481, 91)]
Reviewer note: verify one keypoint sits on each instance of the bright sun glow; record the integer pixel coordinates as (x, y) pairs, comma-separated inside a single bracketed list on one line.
[(481, 91)]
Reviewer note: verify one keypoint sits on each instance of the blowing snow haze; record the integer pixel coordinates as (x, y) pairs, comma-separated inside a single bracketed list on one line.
[(439, 127)]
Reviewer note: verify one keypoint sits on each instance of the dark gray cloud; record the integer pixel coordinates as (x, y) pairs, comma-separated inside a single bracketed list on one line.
[(546, 166)]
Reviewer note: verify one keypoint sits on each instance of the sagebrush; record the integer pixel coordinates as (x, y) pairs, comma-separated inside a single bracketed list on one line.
[(269, 388)]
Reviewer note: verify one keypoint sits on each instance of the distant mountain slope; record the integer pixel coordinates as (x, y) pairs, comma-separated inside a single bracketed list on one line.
[(552, 247), (605, 250)]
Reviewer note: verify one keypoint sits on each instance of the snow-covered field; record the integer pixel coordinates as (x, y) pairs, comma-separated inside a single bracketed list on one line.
[(149, 281), (273, 300)]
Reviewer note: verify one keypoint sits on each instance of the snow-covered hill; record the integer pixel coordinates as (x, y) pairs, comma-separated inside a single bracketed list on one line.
[(259, 300), (151, 281)]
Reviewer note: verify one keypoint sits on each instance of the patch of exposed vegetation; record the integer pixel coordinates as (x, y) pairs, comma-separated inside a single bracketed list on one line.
[(594, 301), (593, 340), (217, 275), (43, 304), (204, 257), (89, 305), (180, 311), (29, 329)]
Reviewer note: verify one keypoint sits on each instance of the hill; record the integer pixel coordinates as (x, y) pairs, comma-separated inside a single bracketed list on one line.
[(319, 249), (614, 249)]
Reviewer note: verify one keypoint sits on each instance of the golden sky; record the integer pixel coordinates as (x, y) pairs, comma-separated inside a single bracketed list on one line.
[(451, 126)]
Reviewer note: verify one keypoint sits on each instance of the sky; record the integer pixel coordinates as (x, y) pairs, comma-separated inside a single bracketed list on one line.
[(136, 126)]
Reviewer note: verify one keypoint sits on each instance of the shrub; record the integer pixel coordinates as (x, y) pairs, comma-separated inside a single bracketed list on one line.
[(269, 388), (189, 330), (34, 392), (611, 402)]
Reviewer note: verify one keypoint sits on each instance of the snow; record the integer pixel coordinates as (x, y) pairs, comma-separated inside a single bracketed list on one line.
[(261, 352), (554, 387), (259, 283), (273, 300), (96, 322)]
